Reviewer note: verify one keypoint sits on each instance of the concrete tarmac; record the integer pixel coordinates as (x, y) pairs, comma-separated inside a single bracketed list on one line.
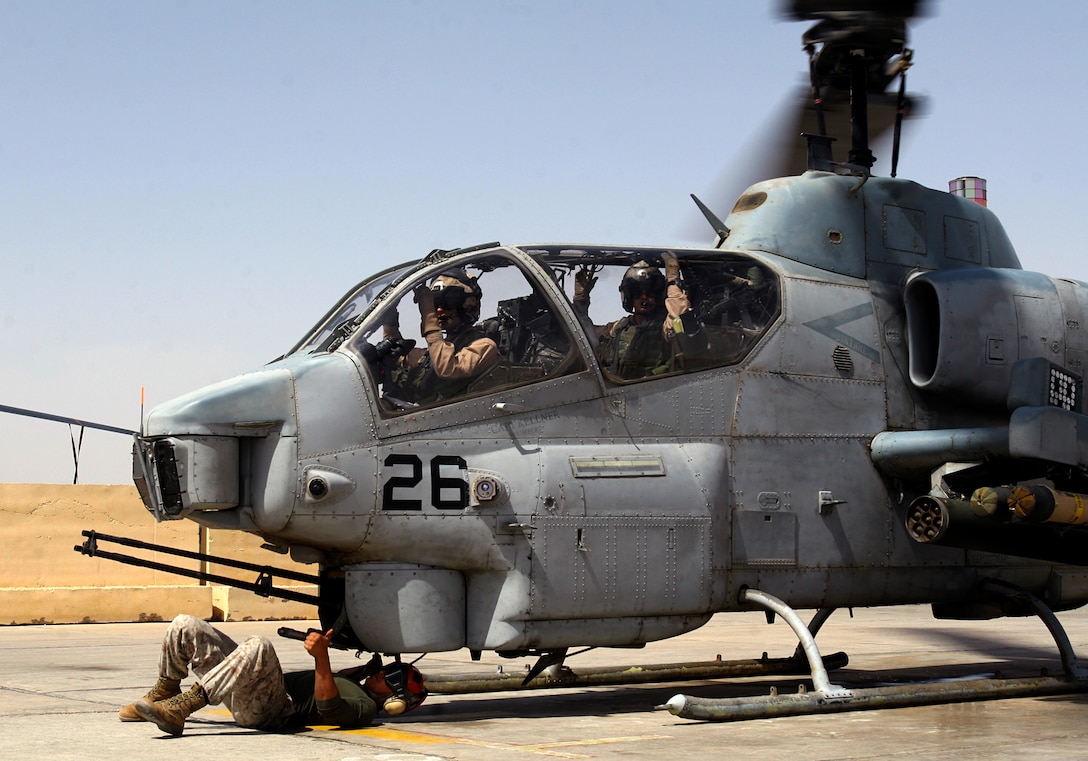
[(61, 686)]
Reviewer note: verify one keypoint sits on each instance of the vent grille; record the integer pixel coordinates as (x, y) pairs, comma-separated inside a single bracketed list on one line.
[(844, 363)]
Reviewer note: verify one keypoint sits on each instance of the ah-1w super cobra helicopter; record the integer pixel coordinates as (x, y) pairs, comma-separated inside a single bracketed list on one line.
[(883, 408)]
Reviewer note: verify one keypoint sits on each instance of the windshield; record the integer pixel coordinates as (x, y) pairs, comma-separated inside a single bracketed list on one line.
[(652, 312), (471, 328), (342, 319)]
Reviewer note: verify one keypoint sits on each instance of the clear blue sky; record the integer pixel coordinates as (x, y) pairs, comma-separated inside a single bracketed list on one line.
[(187, 186)]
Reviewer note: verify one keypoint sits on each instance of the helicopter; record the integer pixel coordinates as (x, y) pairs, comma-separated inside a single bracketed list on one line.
[(866, 401)]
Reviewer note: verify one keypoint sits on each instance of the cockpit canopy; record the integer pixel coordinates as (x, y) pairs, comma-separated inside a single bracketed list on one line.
[(549, 311)]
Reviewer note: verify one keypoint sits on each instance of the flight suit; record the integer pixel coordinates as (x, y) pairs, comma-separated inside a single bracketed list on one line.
[(631, 350), (446, 368)]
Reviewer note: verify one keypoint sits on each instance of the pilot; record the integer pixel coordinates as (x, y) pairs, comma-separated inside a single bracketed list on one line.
[(248, 680), (660, 326), (457, 351)]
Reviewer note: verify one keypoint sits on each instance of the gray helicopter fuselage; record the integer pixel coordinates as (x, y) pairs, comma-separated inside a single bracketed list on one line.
[(573, 507)]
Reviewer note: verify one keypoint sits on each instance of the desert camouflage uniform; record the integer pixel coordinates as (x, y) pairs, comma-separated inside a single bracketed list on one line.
[(246, 678), (446, 368)]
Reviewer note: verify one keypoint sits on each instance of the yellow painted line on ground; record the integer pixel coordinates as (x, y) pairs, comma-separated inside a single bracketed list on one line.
[(604, 741), (430, 738), (543, 749), (425, 738), (397, 735)]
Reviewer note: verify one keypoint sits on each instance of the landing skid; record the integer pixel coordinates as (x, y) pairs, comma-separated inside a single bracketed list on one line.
[(830, 698), (563, 676)]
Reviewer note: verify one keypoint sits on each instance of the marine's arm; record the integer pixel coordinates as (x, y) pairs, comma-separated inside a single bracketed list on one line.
[(332, 708), (448, 362), (681, 321), (471, 360), (317, 645), (584, 280)]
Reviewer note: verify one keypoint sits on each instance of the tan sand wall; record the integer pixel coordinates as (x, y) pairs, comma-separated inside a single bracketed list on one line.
[(44, 580)]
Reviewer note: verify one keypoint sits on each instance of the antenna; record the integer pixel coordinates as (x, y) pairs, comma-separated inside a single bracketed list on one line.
[(712, 218)]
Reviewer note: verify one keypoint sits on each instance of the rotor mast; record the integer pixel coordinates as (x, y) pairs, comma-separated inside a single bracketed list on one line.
[(860, 154), (856, 47)]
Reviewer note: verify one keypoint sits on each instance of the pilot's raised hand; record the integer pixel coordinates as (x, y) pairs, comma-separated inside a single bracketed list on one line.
[(584, 280), (429, 316), (422, 294), (672, 268)]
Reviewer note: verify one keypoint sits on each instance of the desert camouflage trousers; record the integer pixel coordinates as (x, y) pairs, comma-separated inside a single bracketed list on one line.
[(246, 678)]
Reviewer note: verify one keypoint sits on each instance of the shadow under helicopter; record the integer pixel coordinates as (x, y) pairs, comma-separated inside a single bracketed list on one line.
[(610, 701)]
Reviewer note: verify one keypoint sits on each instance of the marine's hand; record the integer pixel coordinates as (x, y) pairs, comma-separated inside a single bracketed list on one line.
[(672, 267), (391, 319), (317, 643), (424, 296), (584, 280)]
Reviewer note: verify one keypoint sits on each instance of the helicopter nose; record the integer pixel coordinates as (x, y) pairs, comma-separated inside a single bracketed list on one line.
[(195, 450), (257, 400), (285, 451)]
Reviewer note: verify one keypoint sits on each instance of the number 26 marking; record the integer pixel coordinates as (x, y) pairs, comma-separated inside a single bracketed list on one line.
[(441, 486)]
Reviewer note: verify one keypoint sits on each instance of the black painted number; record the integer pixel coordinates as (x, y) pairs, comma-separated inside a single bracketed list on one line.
[(455, 483), (389, 500), (449, 489)]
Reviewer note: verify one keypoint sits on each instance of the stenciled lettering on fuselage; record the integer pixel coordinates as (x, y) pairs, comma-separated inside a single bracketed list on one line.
[(404, 489), (524, 423)]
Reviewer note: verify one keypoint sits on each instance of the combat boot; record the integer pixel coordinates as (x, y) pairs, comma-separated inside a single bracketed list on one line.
[(169, 715), (163, 689)]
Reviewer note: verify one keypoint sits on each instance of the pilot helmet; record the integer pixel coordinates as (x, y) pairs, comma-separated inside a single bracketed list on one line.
[(397, 688), (455, 290), (642, 278)]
